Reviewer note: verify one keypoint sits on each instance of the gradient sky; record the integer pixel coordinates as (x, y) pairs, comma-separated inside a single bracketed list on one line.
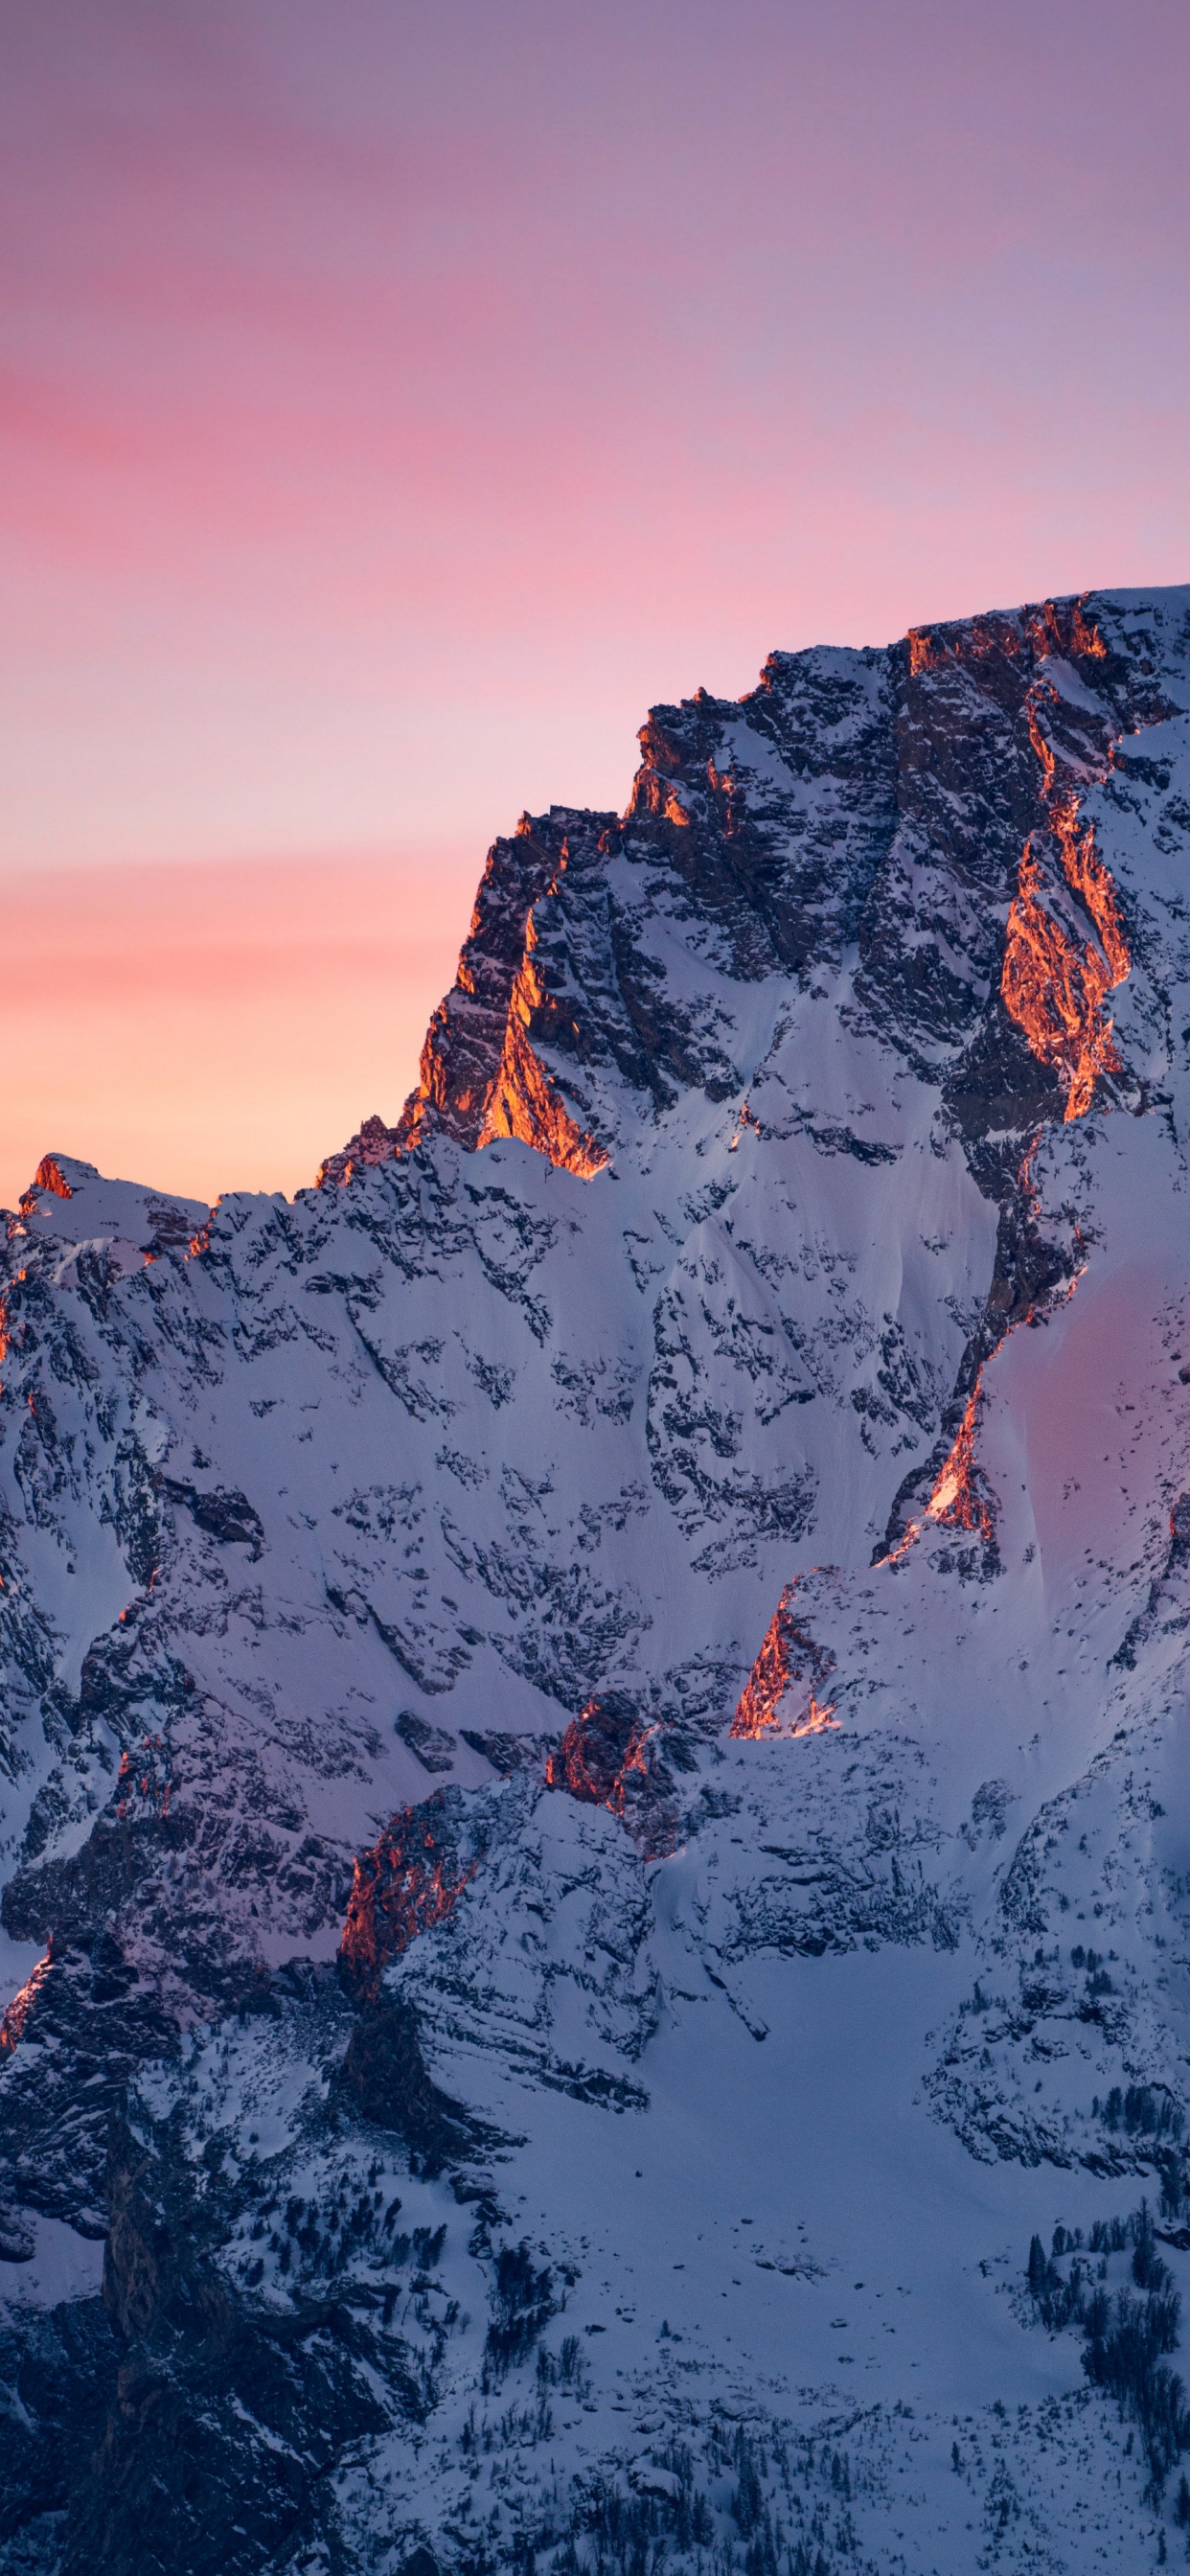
[(394, 401)]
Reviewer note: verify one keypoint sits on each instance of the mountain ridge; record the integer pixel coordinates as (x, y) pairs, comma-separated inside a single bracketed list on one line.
[(551, 1640)]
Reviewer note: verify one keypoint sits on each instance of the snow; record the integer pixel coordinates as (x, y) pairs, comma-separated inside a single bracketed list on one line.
[(777, 2064)]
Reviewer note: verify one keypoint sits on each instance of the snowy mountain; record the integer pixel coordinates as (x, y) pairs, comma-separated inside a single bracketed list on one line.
[(604, 1696)]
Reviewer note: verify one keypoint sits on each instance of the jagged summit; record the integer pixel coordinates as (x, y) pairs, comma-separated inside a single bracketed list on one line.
[(593, 1731), (764, 836), (70, 1201)]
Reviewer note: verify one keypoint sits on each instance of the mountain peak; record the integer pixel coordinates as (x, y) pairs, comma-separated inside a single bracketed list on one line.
[(635, 1635), (764, 835)]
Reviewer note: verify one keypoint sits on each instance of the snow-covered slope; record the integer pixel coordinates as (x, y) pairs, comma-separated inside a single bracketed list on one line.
[(603, 1697)]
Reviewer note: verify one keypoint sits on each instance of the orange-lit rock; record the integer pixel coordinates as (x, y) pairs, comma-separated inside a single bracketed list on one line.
[(48, 1176), (1055, 985), (957, 1498), (616, 1756), (1063, 626), (1085, 871), (13, 2024), (746, 1121), (960, 1498), (790, 1665), (410, 1879), (481, 1076), (594, 1753), (373, 1143), (522, 1101), (1048, 626)]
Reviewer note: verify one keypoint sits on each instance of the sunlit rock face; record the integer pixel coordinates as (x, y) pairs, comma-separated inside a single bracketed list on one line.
[(593, 1741)]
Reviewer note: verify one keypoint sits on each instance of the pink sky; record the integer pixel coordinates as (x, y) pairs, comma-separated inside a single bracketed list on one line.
[(394, 401), (207, 1027)]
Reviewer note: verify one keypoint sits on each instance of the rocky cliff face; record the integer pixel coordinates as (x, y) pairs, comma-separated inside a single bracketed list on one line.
[(603, 1696)]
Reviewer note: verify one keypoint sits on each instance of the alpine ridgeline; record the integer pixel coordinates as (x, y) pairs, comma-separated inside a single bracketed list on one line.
[(603, 1698)]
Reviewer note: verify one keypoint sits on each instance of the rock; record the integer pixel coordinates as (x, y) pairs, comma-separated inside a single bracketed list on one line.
[(741, 1394)]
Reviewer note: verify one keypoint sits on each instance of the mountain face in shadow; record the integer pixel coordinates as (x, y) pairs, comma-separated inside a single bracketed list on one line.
[(603, 1696)]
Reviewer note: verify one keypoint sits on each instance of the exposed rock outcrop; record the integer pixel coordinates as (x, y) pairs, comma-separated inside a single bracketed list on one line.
[(729, 1433)]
